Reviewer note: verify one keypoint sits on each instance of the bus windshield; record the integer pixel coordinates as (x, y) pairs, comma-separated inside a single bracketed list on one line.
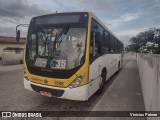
[(56, 48)]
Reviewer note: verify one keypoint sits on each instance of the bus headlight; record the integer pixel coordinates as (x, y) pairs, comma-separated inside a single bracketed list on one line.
[(76, 82)]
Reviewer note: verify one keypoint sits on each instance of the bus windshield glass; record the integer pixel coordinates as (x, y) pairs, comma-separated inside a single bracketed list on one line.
[(60, 48)]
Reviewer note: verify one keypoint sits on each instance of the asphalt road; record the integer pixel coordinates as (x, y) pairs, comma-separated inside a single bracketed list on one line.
[(120, 93)]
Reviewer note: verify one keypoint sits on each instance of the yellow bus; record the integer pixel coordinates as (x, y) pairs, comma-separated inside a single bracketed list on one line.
[(70, 55)]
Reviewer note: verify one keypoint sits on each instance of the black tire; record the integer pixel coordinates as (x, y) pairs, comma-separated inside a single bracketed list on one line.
[(119, 66), (103, 80)]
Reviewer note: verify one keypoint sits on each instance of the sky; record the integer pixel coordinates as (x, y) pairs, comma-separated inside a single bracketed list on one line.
[(125, 18)]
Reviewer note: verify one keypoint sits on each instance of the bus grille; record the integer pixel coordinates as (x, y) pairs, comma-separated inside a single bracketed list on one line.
[(54, 92)]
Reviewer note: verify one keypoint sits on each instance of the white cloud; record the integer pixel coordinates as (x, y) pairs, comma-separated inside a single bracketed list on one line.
[(125, 35), (130, 32), (95, 5), (130, 17), (123, 19)]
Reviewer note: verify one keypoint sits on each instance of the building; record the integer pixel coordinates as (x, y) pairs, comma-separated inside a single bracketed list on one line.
[(10, 42)]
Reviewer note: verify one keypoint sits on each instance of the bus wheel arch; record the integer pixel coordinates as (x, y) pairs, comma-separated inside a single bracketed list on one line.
[(104, 73), (119, 65), (103, 77)]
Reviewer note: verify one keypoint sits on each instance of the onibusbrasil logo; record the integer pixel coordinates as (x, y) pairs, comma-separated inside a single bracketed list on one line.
[(21, 114)]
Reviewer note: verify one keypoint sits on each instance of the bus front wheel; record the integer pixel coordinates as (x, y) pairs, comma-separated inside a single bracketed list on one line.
[(119, 66), (102, 82)]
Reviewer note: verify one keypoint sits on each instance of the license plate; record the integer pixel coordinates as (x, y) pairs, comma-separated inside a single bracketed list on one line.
[(48, 94)]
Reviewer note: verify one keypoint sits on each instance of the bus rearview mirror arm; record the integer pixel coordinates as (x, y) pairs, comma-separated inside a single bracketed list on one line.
[(18, 32), (18, 35)]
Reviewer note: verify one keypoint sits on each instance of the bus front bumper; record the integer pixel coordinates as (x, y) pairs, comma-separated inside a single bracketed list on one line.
[(78, 93)]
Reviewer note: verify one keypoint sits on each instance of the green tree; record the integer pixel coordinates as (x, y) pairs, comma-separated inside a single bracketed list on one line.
[(146, 42)]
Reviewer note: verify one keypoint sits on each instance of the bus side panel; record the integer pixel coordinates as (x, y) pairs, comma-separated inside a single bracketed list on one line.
[(110, 62), (115, 59), (94, 75), (107, 63)]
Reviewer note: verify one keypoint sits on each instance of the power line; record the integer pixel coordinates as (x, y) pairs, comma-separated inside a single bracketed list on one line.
[(60, 5), (58, 8)]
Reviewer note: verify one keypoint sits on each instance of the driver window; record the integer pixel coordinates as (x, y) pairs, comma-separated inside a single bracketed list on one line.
[(96, 39), (32, 45)]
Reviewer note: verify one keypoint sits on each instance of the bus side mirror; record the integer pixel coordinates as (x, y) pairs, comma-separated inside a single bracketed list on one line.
[(18, 35), (18, 32)]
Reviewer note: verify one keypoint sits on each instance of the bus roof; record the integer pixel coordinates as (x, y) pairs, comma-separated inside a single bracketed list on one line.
[(90, 14), (59, 13)]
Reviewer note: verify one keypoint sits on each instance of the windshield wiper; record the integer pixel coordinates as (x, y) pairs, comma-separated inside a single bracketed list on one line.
[(61, 35), (58, 38)]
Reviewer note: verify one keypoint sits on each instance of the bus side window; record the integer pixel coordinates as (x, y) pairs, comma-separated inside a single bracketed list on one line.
[(115, 45), (119, 47), (98, 37), (112, 44), (95, 45), (92, 42), (32, 45), (105, 43)]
